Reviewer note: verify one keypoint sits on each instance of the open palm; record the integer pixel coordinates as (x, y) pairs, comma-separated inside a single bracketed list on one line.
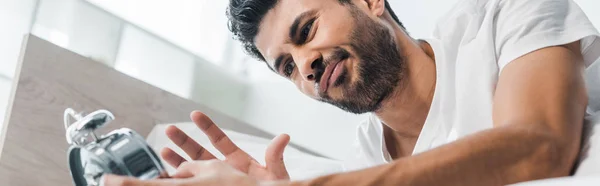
[(236, 157)]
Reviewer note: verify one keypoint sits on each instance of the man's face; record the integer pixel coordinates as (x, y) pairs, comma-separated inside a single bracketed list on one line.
[(333, 52)]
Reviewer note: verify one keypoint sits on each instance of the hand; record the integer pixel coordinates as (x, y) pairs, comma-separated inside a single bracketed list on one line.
[(236, 157), (197, 173)]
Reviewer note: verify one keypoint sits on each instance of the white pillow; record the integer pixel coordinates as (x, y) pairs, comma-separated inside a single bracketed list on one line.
[(589, 163), (588, 171), (300, 165), (563, 181)]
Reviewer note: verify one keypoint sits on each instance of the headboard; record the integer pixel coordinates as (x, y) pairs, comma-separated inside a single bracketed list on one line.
[(48, 80)]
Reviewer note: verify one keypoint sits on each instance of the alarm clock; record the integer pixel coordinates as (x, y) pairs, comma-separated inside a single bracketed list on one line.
[(120, 152)]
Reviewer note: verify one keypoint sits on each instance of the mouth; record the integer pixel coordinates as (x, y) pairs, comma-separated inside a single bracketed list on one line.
[(331, 75)]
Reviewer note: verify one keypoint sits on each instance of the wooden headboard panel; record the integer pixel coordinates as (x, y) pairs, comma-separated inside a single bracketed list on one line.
[(50, 79)]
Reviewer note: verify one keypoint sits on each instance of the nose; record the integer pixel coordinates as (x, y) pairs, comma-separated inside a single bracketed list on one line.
[(308, 65)]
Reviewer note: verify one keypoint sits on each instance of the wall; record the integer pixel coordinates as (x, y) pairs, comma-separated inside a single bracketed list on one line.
[(84, 28), (182, 22), (15, 20), (219, 89), (149, 59), (80, 28), (278, 107), (419, 17), (590, 7), (180, 50)]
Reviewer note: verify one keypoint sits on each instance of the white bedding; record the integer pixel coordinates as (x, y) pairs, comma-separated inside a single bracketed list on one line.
[(300, 165), (566, 181), (589, 164)]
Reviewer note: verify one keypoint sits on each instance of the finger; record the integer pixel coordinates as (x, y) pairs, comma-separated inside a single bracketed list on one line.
[(274, 156), (187, 144), (113, 180), (172, 157), (215, 134)]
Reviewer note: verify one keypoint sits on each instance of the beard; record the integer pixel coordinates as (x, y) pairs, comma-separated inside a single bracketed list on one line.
[(380, 67)]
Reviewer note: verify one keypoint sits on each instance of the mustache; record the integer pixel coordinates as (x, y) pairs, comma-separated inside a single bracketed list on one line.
[(338, 54)]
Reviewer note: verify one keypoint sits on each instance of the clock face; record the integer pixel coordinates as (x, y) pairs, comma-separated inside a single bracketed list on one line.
[(78, 163), (92, 169), (121, 152), (90, 162)]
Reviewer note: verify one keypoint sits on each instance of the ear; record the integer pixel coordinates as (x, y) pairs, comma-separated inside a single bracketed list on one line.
[(376, 7)]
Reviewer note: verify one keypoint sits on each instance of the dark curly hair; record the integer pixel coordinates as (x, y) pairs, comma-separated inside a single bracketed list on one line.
[(245, 17)]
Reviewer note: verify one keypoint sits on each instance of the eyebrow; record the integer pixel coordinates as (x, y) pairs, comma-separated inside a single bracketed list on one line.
[(293, 31), (296, 24), (277, 64)]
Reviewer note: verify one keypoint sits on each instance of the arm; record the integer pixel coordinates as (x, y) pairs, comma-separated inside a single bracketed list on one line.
[(539, 107)]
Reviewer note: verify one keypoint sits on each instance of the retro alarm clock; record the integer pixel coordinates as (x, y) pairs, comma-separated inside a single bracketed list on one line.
[(119, 152)]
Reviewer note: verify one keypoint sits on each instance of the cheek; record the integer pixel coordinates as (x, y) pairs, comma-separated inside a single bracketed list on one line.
[(334, 30), (332, 37), (338, 32)]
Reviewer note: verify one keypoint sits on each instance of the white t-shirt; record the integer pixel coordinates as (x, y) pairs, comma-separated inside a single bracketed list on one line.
[(472, 44)]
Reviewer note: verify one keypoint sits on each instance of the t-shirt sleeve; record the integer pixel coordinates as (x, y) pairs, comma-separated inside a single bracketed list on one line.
[(524, 26)]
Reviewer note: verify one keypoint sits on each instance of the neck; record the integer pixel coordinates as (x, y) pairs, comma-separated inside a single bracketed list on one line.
[(405, 111)]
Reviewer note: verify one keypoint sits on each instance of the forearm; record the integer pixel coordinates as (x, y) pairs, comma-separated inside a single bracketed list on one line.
[(495, 157)]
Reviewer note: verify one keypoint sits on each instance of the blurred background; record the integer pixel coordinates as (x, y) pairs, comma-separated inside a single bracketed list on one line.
[(184, 47)]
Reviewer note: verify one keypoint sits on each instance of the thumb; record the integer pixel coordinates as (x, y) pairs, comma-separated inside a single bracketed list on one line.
[(274, 156)]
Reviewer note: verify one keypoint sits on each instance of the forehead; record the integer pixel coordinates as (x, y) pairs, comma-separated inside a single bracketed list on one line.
[(274, 28)]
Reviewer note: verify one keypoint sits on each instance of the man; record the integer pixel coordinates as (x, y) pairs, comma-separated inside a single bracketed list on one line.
[(497, 96)]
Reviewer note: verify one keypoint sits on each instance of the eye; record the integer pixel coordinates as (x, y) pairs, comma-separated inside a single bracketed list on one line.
[(288, 69), (306, 31)]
